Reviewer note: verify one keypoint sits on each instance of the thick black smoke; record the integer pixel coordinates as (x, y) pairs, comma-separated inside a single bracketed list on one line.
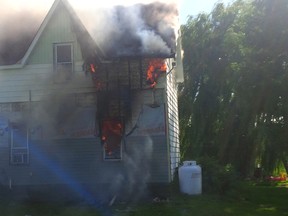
[(138, 30)]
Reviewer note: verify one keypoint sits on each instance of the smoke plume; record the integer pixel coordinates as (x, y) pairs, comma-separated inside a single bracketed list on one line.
[(131, 183), (134, 30)]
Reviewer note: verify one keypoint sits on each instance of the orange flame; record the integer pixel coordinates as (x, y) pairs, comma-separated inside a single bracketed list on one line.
[(92, 68), (111, 136), (155, 68)]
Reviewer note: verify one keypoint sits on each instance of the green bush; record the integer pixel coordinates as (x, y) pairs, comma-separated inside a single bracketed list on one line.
[(217, 178)]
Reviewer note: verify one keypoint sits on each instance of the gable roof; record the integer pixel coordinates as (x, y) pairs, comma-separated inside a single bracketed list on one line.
[(87, 44)]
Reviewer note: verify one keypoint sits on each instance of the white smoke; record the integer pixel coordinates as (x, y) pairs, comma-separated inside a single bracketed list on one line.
[(153, 43), (131, 184)]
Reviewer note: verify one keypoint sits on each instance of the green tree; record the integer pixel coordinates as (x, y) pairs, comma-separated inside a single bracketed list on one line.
[(233, 104)]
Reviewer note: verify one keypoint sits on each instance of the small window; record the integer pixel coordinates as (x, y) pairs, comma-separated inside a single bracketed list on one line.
[(19, 145), (63, 58), (64, 54)]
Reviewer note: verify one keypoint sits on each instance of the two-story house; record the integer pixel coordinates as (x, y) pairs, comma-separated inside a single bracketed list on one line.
[(74, 119)]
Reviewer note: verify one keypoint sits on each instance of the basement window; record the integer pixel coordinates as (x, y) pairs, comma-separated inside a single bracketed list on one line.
[(63, 62), (19, 145)]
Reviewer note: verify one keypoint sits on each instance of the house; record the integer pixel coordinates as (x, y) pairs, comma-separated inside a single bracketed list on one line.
[(74, 119)]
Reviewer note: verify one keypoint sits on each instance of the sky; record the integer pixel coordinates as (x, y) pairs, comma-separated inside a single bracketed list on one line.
[(194, 7)]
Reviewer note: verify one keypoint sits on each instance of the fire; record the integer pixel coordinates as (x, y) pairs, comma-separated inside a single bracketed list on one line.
[(92, 68), (111, 135), (155, 68)]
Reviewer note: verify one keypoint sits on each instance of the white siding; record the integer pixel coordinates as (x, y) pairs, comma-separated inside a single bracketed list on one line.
[(34, 82), (172, 121)]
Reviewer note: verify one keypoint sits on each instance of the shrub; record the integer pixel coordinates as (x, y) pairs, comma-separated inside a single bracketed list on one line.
[(217, 178)]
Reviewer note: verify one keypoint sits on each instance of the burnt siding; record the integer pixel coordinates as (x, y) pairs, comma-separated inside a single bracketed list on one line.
[(126, 73), (173, 122)]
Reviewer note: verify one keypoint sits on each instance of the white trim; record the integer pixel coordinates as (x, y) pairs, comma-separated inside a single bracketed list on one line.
[(57, 74), (179, 71), (25, 150), (39, 66), (56, 45), (11, 67)]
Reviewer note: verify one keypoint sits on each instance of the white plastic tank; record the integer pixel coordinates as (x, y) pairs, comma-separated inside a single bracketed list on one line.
[(190, 178)]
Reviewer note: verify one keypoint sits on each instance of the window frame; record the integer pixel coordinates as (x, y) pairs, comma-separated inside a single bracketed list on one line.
[(106, 157), (109, 158), (17, 150), (66, 75)]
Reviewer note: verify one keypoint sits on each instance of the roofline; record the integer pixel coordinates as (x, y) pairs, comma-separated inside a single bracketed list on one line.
[(35, 40), (42, 27), (14, 66), (75, 18), (39, 32)]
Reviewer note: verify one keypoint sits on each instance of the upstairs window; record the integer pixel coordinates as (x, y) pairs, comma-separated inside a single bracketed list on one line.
[(63, 62)]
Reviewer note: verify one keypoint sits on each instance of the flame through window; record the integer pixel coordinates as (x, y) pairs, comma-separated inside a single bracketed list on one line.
[(111, 137), (155, 68)]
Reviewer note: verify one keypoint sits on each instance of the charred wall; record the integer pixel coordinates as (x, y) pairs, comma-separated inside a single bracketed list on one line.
[(118, 82)]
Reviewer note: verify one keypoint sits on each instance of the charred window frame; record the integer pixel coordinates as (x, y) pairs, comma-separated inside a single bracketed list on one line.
[(111, 115), (63, 62), (19, 145), (111, 130)]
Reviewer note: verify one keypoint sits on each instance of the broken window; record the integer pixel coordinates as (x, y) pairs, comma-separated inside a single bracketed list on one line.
[(111, 112), (111, 137), (63, 62), (19, 145)]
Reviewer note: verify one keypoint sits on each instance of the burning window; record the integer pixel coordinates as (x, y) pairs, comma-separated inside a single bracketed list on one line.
[(111, 137), (156, 67), (63, 62)]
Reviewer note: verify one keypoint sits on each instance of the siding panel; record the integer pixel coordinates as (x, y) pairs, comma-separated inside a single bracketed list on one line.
[(66, 161), (173, 125), (36, 81)]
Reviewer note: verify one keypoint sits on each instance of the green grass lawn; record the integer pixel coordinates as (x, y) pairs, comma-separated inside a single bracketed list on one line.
[(252, 201), (247, 200)]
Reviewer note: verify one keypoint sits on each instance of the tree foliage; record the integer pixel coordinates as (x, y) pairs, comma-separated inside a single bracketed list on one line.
[(234, 101)]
